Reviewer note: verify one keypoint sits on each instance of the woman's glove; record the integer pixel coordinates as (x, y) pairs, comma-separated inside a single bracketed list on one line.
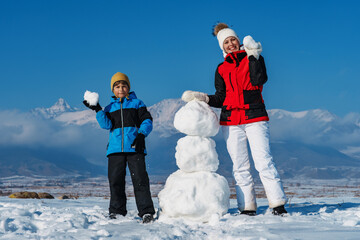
[(191, 95), (139, 143), (95, 108), (252, 48)]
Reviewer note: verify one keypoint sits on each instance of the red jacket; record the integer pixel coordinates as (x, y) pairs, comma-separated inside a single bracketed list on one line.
[(238, 83)]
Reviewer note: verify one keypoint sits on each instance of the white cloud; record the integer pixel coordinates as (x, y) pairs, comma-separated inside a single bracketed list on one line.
[(18, 128), (318, 127), (78, 132), (25, 130)]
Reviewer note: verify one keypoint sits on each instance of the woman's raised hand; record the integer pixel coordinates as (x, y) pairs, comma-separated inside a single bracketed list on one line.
[(252, 48), (192, 95)]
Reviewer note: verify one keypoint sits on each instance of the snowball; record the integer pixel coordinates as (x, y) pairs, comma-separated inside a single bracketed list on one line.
[(194, 196), (91, 97), (250, 43), (194, 153), (196, 118)]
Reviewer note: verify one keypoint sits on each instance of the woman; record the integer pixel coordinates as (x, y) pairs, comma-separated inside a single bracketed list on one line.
[(239, 82)]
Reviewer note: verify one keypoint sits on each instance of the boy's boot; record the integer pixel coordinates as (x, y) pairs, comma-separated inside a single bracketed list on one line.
[(115, 215), (147, 218), (280, 210), (248, 212)]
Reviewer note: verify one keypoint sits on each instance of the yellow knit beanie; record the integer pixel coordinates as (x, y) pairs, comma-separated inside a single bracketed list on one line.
[(119, 77)]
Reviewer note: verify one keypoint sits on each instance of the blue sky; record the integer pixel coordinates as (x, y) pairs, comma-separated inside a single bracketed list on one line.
[(53, 49)]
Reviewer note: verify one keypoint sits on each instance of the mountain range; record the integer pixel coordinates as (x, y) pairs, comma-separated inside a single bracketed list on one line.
[(308, 144)]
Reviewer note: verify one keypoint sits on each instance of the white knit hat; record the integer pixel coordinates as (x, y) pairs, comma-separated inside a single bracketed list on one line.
[(224, 34)]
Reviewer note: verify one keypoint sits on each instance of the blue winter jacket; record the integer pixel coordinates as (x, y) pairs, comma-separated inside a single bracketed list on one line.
[(125, 118)]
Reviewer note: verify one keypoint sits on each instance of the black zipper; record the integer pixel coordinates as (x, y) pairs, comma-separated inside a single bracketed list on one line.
[(230, 82), (236, 60)]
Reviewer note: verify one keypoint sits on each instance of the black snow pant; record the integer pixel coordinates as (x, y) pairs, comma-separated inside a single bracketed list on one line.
[(139, 177)]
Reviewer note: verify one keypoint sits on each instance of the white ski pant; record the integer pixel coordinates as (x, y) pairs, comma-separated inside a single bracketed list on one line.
[(257, 134)]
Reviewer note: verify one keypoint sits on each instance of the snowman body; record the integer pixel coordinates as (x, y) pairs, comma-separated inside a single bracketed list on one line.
[(195, 191)]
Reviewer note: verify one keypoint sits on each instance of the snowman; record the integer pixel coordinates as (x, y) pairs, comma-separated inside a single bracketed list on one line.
[(195, 192)]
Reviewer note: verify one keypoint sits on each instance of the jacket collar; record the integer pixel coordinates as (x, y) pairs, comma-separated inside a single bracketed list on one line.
[(235, 57), (130, 96)]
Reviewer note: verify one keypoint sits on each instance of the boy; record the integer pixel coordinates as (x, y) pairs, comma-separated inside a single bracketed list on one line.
[(129, 123)]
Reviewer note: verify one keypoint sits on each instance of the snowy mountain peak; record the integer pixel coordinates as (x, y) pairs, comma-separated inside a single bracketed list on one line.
[(319, 115), (323, 115), (60, 107), (279, 113), (163, 115), (353, 117)]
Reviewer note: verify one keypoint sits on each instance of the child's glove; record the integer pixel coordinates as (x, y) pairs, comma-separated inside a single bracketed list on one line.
[(252, 48), (91, 100), (191, 95), (139, 143), (96, 108)]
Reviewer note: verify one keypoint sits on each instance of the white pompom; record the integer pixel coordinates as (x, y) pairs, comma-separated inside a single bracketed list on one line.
[(91, 97)]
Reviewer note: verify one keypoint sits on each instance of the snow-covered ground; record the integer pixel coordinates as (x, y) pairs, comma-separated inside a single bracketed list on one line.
[(85, 218)]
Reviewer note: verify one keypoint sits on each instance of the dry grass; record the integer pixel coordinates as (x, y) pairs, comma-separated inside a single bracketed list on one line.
[(101, 189)]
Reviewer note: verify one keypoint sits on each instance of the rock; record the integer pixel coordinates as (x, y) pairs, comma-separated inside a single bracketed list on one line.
[(68, 197), (45, 195), (24, 195), (63, 197)]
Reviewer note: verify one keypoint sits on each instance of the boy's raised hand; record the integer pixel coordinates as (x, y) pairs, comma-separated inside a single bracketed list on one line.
[(95, 108), (139, 143), (91, 100)]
